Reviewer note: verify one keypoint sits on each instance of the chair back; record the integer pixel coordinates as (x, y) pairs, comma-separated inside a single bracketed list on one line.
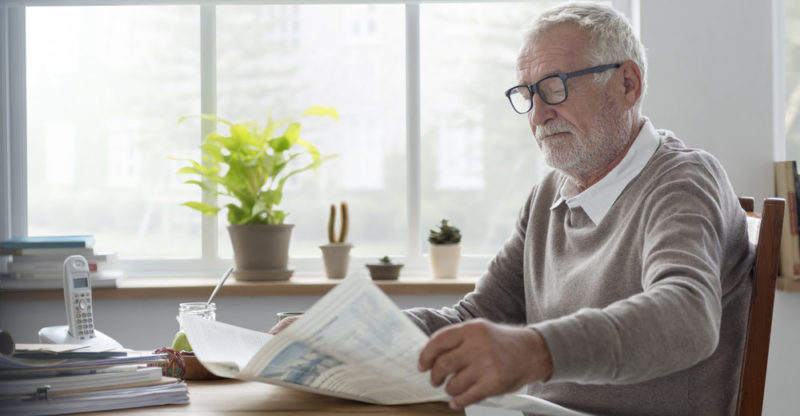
[(765, 232)]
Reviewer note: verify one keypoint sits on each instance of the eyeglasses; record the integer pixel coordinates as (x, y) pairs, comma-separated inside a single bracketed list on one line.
[(552, 89)]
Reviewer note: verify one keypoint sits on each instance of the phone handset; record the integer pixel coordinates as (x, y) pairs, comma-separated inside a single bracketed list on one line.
[(78, 297), (80, 316)]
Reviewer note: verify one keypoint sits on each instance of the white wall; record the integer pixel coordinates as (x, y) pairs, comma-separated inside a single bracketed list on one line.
[(711, 73), (710, 66), (147, 324)]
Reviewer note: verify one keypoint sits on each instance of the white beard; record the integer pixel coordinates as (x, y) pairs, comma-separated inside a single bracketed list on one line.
[(582, 158)]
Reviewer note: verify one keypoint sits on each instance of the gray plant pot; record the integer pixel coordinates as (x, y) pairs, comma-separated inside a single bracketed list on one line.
[(261, 252), (384, 271)]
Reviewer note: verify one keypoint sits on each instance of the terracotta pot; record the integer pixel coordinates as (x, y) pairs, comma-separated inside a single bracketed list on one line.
[(337, 259), (260, 251), (444, 260)]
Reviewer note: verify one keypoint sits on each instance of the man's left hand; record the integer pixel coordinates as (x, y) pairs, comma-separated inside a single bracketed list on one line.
[(484, 359)]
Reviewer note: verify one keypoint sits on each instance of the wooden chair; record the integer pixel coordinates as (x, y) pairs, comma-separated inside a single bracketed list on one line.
[(765, 232)]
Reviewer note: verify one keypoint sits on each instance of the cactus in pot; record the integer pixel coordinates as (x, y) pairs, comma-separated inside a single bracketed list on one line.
[(336, 254)]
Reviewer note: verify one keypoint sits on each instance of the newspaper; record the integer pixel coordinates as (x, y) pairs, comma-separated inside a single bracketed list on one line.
[(354, 343)]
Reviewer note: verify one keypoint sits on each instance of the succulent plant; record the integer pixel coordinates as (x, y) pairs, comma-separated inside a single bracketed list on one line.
[(345, 222), (385, 260), (447, 234)]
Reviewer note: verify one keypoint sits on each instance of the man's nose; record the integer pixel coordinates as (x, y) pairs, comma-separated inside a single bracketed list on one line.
[(541, 112)]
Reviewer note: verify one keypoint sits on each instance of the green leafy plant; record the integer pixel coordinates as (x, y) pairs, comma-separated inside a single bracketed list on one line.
[(251, 166), (447, 234), (385, 260)]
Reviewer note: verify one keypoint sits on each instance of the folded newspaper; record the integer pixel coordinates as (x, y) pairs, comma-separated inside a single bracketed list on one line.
[(354, 343)]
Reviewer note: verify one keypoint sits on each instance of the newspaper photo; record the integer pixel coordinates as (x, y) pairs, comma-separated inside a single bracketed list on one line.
[(354, 343)]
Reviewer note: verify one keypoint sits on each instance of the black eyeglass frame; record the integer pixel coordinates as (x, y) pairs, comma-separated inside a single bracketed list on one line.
[(534, 88)]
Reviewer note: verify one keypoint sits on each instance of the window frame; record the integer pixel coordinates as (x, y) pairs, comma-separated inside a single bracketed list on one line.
[(13, 135)]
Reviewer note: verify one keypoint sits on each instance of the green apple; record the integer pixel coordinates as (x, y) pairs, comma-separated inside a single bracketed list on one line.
[(180, 342)]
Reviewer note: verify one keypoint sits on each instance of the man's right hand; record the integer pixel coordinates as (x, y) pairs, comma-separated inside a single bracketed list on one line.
[(283, 324), (477, 359)]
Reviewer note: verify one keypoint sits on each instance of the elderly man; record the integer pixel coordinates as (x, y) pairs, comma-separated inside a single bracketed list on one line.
[(624, 287)]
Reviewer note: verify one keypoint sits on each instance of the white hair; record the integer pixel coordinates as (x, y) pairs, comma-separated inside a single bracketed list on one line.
[(611, 37)]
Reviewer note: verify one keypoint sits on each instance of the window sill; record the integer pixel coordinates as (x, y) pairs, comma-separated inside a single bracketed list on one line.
[(201, 287)]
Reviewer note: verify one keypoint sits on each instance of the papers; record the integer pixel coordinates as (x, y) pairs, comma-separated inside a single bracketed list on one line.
[(353, 343), (66, 351), (10, 368), (92, 401), (116, 376), (57, 386)]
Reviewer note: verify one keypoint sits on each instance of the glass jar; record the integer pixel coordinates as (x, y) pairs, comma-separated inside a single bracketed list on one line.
[(202, 309)]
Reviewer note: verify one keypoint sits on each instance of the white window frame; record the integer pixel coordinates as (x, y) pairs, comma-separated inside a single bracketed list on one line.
[(13, 150)]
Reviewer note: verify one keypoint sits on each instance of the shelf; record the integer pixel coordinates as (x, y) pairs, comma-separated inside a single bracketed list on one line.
[(788, 285), (183, 287)]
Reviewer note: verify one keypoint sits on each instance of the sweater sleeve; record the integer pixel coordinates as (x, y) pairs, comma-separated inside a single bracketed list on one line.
[(674, 322), (499, 294)]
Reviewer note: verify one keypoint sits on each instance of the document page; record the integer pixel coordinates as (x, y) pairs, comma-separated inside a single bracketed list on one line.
[(226, 348), (353, 343)]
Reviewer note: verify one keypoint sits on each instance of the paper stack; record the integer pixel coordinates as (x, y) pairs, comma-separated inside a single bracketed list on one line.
[(37, 262), (45, 379)]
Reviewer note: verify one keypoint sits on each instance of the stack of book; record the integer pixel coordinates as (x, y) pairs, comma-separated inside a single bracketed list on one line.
[(45, 379), (38, 262)]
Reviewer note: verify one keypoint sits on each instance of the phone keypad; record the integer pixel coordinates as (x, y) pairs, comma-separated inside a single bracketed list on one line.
[(83, 316)]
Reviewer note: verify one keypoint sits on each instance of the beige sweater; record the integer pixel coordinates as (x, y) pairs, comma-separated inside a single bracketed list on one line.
[(643, 313)]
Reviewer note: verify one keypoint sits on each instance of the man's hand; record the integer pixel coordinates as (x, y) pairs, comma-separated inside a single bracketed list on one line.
[(484, 359), (283, 324)]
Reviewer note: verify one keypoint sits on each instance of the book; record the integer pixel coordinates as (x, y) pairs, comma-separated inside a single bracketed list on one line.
[(50, 241), (14, 281), (48, 251), (790, 241), (109, 257), (796, 183), (354, 343), (55, 264)]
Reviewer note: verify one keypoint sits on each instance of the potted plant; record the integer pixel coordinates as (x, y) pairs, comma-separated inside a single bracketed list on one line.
[(251, 166), (384, 269), (336, 254), (445, 250)]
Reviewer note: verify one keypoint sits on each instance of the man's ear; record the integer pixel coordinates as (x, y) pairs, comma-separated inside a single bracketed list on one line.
[(631, 81)]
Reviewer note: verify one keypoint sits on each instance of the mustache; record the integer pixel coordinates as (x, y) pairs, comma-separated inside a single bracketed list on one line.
[(553, 127)]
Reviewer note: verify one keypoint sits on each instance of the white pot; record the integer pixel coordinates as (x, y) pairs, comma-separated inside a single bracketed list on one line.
[(337, 259), (444, 260)]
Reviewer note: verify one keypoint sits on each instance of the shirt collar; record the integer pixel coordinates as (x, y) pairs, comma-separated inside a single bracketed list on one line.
[(596, 201)]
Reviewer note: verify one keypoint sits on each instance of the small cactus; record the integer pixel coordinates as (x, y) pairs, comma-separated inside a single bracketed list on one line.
[(331, 224), (447, 234)]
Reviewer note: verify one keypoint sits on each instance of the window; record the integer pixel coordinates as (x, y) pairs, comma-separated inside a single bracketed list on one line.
[(106, 85), (792, 67)]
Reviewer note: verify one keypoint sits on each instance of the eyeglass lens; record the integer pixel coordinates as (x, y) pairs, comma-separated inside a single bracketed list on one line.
[(551, 90)]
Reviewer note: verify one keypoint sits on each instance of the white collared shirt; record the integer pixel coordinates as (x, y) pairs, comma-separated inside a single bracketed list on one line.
[(598, 198)]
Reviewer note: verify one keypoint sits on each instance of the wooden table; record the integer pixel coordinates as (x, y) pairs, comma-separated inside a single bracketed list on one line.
[(237, 397)]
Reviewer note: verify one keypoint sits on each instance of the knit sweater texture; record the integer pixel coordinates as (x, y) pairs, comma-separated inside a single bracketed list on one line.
[(643, 313)]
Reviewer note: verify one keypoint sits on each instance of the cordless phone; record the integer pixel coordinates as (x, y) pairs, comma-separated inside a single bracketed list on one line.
[(78, 297), (80, 316)]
